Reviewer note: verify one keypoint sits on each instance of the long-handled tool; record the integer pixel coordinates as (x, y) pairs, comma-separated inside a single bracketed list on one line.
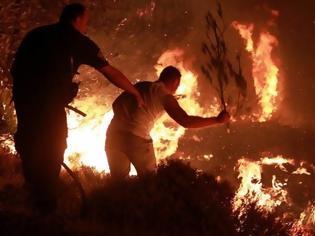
[(73, 175), (80, 187)]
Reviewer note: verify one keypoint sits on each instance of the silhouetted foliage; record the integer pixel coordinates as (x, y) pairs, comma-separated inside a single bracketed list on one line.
[(218, 69)]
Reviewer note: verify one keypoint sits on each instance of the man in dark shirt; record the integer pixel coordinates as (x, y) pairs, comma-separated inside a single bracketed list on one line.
[(42, 72)]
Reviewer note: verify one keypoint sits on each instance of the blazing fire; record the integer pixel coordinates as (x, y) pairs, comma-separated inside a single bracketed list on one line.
[(267, 199), (265, 72), (86, 138), (251, 189), (87, 135)]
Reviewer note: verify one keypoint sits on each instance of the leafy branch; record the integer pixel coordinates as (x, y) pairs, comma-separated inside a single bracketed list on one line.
[(218, 64)]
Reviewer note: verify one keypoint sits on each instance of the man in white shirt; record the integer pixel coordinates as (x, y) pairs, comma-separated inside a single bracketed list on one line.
[(128, 135)]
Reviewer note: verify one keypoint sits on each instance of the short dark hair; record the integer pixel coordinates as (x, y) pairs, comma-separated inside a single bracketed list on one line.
[(169, 73), (71, 12)]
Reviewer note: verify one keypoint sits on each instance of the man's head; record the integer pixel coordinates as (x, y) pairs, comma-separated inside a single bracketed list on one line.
[(170, 76), (76, 15)]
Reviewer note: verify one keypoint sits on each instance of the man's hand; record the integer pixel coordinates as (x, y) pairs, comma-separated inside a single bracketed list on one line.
[(120, 80), (223, 117)]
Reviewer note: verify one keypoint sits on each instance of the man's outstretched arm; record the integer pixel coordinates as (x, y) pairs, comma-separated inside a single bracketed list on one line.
[(174, 110), (121, 81)]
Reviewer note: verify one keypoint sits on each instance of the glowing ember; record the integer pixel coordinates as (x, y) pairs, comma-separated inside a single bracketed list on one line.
[(265, 72), (147, 10)]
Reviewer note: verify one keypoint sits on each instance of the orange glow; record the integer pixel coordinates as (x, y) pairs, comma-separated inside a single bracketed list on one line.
[(86, 136)]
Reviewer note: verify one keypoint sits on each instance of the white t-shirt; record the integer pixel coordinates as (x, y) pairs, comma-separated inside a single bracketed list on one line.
[(128, 117)]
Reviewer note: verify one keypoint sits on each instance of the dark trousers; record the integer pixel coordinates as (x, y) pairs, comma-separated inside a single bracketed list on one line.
[(40, 141)]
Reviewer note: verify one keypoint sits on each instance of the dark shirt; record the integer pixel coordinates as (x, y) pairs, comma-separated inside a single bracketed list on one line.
[(47, 60)]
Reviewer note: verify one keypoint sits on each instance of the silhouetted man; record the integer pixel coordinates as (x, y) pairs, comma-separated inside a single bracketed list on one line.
[(128, 136), (42, 71)]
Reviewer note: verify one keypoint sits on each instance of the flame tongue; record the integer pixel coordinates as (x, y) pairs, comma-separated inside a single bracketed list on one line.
[(265, 72), (251, 189)]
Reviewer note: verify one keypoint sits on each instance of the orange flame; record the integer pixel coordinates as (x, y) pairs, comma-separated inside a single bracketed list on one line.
[(251, 189), (265, 72)]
